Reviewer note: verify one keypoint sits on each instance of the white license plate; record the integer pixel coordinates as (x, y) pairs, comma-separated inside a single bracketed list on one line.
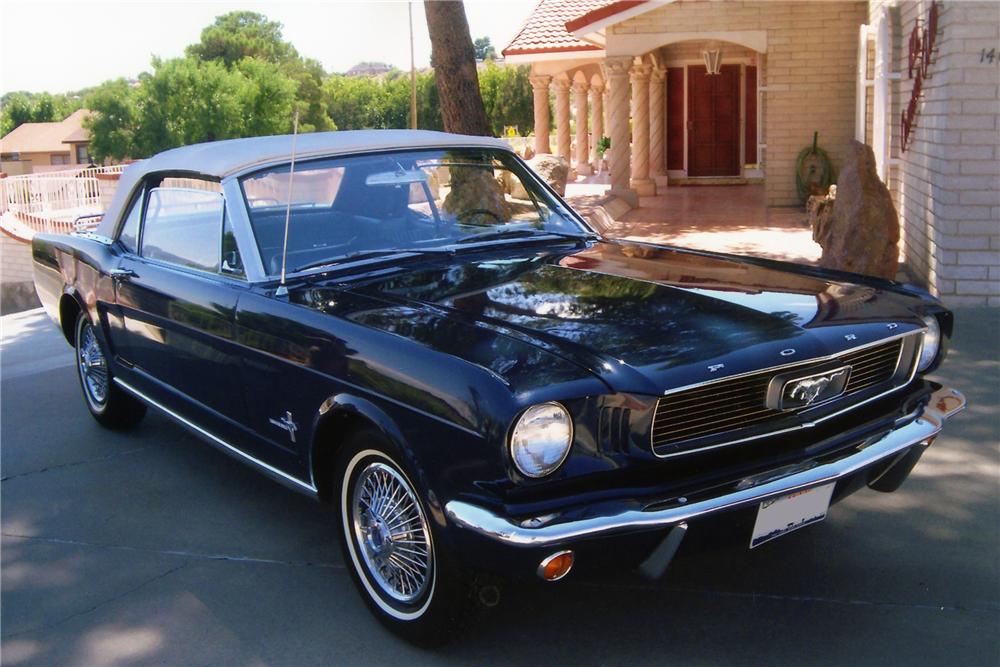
[(780, 516)]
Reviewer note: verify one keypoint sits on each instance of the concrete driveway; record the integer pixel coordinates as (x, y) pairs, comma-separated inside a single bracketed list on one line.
[(152, 548)]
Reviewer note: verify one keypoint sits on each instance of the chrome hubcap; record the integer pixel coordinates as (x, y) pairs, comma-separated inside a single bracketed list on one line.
[(93, 366), (392, 532)]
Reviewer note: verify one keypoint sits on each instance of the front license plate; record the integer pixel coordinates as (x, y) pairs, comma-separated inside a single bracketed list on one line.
[(780, 516)]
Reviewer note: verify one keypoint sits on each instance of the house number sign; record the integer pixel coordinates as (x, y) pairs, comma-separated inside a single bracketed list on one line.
[(921, 47)]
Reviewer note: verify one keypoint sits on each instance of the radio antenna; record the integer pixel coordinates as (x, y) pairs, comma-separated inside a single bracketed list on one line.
[(282, 289)]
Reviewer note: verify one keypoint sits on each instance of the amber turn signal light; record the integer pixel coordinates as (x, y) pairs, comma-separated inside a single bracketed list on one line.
[(556, 566)]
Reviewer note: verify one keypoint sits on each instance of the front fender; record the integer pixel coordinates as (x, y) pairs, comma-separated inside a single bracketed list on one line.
[(355, 406)]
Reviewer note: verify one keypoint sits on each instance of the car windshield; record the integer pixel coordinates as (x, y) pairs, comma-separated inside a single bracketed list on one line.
[(348, 208)]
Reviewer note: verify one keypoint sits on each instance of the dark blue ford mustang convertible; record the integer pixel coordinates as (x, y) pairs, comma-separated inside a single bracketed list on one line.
[(414, 327)]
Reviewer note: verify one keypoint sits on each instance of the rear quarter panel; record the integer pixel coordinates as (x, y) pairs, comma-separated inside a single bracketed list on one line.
[(76, 266)]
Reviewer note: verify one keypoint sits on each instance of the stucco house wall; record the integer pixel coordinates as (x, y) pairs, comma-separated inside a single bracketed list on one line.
[(809, 71)]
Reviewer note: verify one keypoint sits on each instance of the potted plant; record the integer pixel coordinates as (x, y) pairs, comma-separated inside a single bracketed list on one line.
[(603, 148)]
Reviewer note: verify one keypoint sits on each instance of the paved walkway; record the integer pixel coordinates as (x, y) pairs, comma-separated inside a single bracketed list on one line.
[(723, 218)]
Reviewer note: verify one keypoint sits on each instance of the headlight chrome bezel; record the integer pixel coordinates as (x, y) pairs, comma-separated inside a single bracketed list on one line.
[(931, 343), (513, 446)]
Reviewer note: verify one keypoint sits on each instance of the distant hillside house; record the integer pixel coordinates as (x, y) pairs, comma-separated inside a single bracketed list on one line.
[(368, 69), (33, 147)]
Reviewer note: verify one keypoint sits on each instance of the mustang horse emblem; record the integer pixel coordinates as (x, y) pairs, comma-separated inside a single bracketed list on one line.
[(809, 389)]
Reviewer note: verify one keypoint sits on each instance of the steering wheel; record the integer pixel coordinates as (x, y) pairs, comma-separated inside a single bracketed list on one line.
[(476, 211)]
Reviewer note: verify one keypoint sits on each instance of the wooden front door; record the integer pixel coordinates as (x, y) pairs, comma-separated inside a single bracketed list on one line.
[(714, 121)]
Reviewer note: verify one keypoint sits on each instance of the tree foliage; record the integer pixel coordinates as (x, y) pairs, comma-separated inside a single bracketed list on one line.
[(185, 101), (484, 49), (112, 128), (243, 79), (362, 102), (241, 34), (20, 107), (507, 96)]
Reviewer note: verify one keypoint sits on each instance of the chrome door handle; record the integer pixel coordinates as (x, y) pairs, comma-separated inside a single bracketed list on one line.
[(122, 274)]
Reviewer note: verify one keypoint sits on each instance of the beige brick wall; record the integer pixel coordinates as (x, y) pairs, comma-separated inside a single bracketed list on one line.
[(946, 185), (809, 70)]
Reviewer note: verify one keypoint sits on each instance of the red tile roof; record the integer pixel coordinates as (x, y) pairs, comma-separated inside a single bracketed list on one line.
[(606, 10), (544, 31)]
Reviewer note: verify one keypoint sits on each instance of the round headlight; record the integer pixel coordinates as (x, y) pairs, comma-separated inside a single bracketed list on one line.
[(541, 439), (932, 343)]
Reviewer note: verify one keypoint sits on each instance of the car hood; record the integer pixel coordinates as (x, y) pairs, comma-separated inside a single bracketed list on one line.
[(644, 318)]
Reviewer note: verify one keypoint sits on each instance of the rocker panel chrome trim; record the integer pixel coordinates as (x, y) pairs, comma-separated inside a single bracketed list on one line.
[(942, 404), (278, 475)]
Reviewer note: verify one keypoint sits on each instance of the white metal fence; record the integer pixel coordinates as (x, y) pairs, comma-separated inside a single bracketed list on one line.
[(52, 201)]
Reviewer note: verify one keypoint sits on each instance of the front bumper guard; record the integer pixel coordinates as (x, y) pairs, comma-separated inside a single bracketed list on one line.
[(914, 430)]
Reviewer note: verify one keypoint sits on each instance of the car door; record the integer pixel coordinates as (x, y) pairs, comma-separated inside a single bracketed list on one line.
[(178, 296)]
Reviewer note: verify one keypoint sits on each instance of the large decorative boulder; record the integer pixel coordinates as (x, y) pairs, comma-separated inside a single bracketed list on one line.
[(862, 234), (553, 169)]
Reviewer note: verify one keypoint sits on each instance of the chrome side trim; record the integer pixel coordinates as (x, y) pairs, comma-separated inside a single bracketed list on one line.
[(809, 424), (943, 404), (213, 439)]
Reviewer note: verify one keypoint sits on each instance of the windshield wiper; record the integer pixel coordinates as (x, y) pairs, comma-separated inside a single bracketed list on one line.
[(369, 254), (495, 234)]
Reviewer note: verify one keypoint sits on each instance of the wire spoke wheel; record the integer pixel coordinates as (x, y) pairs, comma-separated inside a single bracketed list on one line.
[(93, 366), (392, 533)]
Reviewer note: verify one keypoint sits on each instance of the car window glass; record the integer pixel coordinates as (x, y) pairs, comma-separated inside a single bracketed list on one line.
[(129, 235), (232, 263), (312, 187), (183, 227), (397, 201)]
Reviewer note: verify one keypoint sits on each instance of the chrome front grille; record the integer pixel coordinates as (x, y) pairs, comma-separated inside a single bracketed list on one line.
[(872, 366), (700, 415)]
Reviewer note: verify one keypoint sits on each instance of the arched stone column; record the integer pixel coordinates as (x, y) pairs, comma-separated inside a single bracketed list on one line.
[(583, 164), (563, 140), (607, 105), (657, 123), (640, 181), (618, 117), (540, 89), (597, 120)]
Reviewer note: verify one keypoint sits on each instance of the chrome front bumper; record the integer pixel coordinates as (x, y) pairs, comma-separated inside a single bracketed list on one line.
[(914, 430)]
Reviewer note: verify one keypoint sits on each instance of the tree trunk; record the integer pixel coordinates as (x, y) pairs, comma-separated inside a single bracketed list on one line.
[(454, 60)]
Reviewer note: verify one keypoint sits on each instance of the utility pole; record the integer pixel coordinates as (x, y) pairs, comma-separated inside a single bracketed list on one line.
[(413, 74)]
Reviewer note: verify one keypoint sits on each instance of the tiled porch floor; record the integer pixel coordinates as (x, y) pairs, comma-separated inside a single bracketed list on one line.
[(723, 218)]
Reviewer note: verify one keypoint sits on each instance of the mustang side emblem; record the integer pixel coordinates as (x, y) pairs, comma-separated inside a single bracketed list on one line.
[(286, 423), (716, 367)]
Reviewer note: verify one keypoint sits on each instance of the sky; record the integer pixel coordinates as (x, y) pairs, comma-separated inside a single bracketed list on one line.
[(64, 46)]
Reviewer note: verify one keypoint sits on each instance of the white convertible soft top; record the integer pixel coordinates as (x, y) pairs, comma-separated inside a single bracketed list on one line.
[(219, 159)]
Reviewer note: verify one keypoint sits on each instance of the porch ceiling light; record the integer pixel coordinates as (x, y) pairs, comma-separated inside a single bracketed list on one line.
[(713, 60)]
